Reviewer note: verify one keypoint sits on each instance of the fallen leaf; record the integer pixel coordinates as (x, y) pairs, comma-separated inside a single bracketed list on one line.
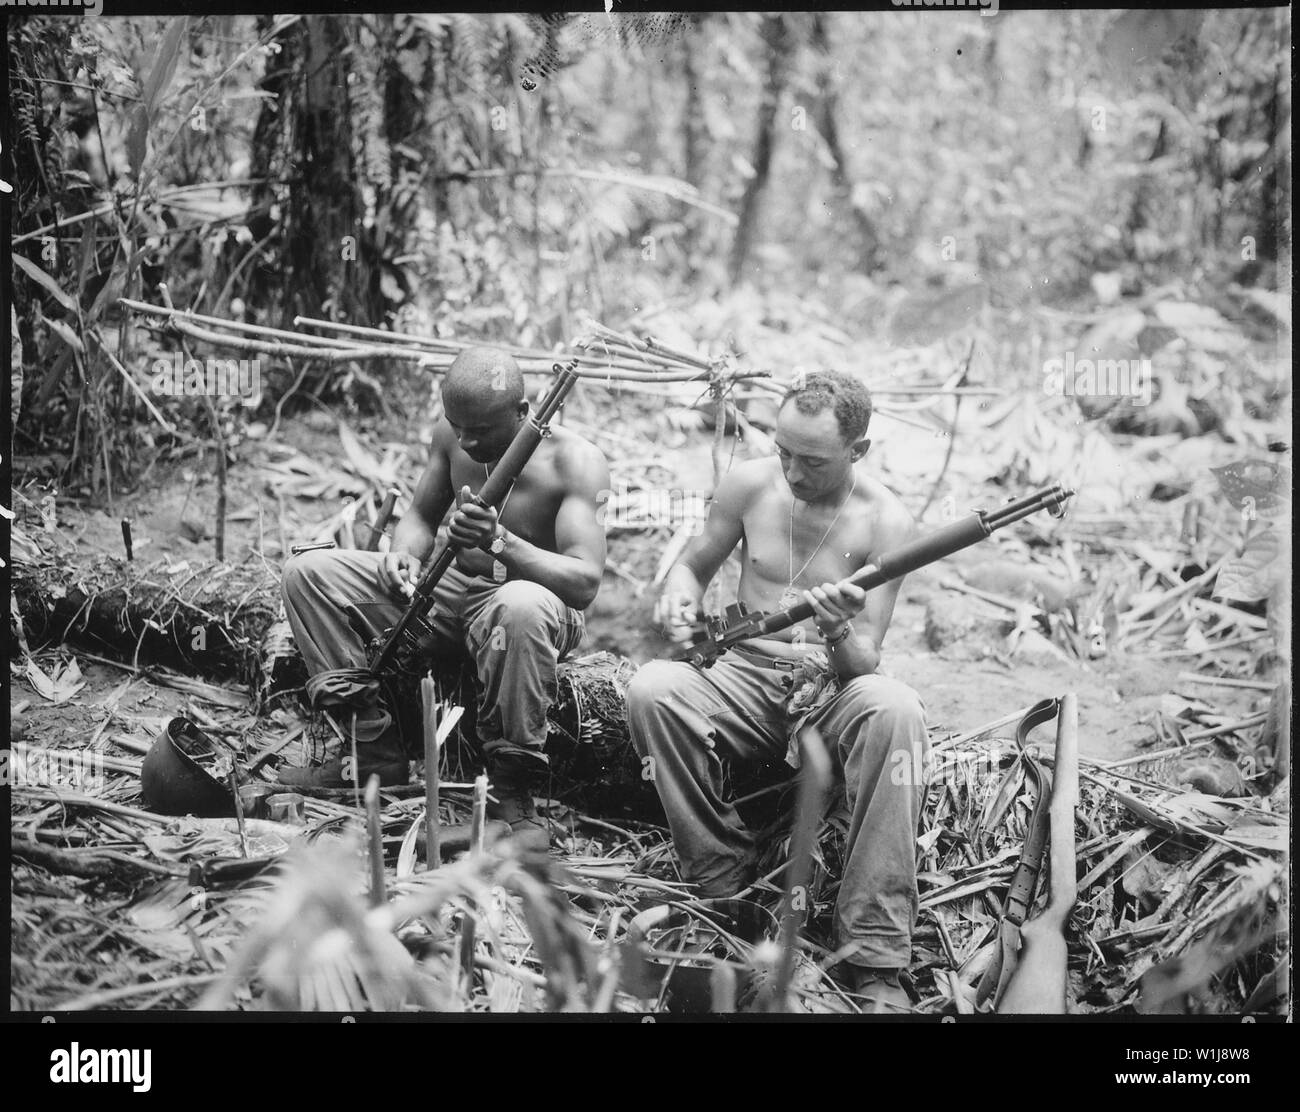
[(59, 688), (363, 462), (1258, 485), (1250, 576)]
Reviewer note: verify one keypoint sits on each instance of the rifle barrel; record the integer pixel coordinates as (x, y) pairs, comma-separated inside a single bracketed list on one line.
[(891, 565), (1030, 503)]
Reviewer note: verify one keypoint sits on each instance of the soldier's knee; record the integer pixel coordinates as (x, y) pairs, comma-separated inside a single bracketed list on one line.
[(887, 698), (653, 684), (519, 603), (301, 569)]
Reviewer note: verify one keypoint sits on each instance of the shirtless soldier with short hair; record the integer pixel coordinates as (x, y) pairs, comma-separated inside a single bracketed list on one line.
[(810, 516), (514, 597)]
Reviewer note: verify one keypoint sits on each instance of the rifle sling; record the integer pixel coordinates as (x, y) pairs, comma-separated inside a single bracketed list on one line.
[(1024, 881)]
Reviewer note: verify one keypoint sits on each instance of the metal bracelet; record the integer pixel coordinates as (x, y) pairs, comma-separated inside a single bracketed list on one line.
[(843, 635)]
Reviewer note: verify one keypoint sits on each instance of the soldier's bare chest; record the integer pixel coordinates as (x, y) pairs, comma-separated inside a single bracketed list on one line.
[(805, 544), (534, 499)]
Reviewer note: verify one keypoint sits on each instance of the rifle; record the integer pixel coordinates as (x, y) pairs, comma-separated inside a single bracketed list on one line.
[(1019, 899), (411, 629), (1038, 984), (718, 634)]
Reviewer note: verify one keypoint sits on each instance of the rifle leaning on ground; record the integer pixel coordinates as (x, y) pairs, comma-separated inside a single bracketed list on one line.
[(411, 632), (718, 634), (1037, 984), (1019, 898)]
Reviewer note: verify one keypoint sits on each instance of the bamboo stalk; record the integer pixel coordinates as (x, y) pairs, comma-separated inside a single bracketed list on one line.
[(374, 834), (1014, 605), (478, 823), (952, 428), (972, 735), (1109, 861), (392, 336), (1224, 681), (1178, 592), (1181, 824), (105, 209), (426, 361), (306, 351), (469, 925), (239, 813), (391, 342), (94, 758), (130, 381), (89, 862), (1194, 740), (109, 996), (66, 799), (235, 325), (219, 440), (432, 848), (1231, 612), (1213, 648)]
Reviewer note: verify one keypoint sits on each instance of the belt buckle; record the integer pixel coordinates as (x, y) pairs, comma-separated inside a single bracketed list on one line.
[(786, 670)]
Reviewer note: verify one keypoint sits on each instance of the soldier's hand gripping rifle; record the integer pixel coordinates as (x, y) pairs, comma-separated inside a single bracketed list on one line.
[(736, 625), (410, 629)]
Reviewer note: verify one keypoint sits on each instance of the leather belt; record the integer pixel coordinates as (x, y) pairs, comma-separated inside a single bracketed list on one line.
[(763, 660)]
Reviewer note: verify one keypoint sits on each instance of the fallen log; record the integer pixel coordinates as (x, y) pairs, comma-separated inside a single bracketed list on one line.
[(205, 618), (224, 621)]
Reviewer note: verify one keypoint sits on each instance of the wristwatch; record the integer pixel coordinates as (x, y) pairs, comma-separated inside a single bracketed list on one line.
[(498, 544)]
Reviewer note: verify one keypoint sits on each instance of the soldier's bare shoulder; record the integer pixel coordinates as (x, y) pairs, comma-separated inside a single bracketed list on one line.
[(747, 479), (885, 509), (575, 455)]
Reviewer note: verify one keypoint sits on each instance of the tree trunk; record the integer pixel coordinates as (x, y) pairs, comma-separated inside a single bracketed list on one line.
[(779, 45), (828, 105), (326, 256), (1142, 196), (693, 126)]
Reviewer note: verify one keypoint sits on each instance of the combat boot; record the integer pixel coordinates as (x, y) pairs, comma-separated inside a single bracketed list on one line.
[(384, 756), (513, 779)]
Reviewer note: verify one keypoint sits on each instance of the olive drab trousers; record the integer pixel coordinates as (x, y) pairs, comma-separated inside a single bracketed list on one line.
[(688, 720), (516, 632)]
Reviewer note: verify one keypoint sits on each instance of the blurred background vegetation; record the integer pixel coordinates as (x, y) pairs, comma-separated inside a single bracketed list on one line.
[(505, 176)]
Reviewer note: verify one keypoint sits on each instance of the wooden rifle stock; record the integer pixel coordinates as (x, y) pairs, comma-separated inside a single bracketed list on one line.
[(1038, 984)]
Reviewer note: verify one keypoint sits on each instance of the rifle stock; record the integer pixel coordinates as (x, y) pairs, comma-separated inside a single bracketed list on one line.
[(1038, 984)]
